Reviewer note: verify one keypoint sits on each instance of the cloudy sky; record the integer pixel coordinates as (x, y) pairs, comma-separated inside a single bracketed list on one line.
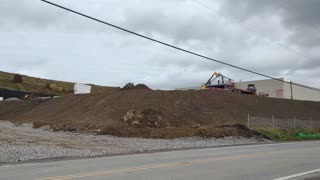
[(280, 38)]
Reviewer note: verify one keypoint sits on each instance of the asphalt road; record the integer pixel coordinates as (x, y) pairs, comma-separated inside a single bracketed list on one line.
[(270, 161)]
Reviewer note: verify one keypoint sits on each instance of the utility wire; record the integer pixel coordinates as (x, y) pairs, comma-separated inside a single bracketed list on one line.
[(199, 2), (169, 45), (230, 20)]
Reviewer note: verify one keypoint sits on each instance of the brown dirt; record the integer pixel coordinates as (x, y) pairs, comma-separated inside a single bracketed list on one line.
[(170, 133), (164, 114), (131, 86)]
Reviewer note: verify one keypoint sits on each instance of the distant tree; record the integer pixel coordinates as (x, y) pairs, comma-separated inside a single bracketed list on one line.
[(128, 86), (17, 78)]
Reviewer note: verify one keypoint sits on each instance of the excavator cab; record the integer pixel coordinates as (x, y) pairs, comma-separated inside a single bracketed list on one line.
[(252, 88)]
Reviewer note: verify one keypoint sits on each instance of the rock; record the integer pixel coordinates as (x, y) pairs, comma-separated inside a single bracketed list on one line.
[(12, 99), (147, 117), (136, 124)]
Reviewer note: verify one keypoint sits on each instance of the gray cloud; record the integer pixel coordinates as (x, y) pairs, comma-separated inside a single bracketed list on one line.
[(277, 38), (25, 12), (301, 18)]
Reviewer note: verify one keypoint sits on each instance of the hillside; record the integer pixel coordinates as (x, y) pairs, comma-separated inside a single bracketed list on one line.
[(150, 113), (38, 85)]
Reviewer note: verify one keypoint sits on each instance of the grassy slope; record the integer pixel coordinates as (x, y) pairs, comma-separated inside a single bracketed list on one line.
[(33, 84)]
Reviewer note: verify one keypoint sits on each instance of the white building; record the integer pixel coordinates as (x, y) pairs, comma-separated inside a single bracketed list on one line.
[(278, 89)]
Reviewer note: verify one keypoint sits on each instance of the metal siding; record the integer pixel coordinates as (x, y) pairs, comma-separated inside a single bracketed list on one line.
[(269, 86)]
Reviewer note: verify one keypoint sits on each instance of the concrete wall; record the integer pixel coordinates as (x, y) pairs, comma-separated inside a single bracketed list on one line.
[(272, 87), (301, 93)]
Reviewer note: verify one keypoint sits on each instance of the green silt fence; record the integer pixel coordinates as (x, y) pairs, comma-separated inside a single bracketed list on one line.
[(308, 136)]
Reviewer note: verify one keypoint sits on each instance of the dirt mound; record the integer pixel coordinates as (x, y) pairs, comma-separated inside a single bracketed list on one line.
[(152, 113), (237, 130), (226, 130), (141, 86), (131, 86)]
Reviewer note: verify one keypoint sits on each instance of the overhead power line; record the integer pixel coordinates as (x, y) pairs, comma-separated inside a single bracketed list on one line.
[(251, 27), (167, 44)]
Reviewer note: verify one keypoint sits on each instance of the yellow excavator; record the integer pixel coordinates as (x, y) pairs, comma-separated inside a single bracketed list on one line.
[(219, 82)]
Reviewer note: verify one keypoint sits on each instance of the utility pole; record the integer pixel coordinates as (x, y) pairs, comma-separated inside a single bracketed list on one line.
[(291, 90), (310, 122)]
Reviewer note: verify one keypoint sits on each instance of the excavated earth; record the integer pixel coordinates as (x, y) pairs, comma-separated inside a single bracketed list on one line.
[(155, 114)]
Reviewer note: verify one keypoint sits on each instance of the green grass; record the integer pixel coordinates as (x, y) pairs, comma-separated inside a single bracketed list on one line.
[(33, 84), (287, 135)]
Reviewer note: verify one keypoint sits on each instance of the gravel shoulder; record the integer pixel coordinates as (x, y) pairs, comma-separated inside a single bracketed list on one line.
[(23, 143)]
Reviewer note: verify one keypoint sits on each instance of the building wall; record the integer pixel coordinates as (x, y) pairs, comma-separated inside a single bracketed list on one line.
[(190, 88), (301, 93), (277, 89), (271, 87)]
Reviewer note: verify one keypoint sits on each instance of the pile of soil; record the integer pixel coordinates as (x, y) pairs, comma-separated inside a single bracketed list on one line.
[(147, 112), (226, 130), (131, 86), (141, 86)]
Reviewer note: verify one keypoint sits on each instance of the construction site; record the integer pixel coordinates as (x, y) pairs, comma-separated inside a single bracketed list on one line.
[(217, 111), (159, 90), (274, 88), (138, 111)]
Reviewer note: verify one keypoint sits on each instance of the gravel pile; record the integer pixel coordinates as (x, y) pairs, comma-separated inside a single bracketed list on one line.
[(22, 142)]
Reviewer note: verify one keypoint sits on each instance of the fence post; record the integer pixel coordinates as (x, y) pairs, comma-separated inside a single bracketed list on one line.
[(294, 122), (310, 123), (272, 121), (248, 123)]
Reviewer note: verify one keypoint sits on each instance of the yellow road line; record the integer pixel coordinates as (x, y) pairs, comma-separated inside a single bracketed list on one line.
[(163, 165)]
